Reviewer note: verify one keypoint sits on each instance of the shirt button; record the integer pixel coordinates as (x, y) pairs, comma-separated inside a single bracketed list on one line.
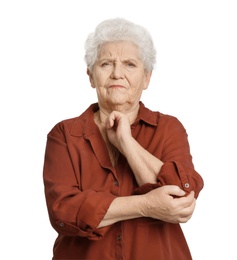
[(186, 185), (61, 224), (116, 183), (119, 237)]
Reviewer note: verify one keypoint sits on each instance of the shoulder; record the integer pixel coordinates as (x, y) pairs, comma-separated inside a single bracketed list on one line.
[(158, 118), (170, 122), (74, 125)]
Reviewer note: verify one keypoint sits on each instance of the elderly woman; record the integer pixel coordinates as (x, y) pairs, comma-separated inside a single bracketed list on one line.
[(119, 178)]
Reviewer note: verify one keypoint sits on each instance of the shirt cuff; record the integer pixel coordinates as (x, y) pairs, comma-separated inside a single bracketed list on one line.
[(171, 173)]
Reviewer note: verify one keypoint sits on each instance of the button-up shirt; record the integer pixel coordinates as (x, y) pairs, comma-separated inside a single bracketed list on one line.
[(81, 183)]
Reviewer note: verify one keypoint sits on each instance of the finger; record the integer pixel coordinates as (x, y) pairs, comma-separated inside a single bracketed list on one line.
[(188, 202), (190, 197), (184, 219), (187, 213), (174, 190), (110, 121)]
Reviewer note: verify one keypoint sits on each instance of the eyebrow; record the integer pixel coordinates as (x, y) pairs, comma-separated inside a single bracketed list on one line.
[(114, 60)]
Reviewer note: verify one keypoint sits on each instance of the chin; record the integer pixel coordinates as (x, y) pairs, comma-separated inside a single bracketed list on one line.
[(119, 105)]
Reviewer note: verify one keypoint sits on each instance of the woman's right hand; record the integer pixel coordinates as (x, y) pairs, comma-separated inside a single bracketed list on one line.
[(169, 203)]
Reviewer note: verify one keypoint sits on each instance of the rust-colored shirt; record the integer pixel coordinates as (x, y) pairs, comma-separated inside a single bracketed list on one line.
[(80, 184)]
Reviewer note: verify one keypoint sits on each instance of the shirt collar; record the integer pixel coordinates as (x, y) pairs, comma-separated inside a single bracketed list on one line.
[(85, 125), (146, 115)]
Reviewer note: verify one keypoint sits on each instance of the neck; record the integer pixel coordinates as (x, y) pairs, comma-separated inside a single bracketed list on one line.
[(102, 114)]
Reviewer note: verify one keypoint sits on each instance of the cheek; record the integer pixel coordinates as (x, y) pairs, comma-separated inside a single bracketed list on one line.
[(138, 83), (100, 79)]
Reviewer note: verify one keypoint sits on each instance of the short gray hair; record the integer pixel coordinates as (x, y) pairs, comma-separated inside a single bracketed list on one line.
[(119, 29)]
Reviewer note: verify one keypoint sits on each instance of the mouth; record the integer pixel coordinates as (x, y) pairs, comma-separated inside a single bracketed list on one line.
[(116, 86)]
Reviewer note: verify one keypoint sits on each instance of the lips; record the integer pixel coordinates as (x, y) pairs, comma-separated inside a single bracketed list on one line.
[(116, 86)]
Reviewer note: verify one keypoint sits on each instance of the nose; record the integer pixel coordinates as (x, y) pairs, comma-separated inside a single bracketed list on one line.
[(117, 72)]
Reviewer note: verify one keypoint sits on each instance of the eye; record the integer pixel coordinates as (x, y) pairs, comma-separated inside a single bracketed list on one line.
[(104, 64), (130, 64)]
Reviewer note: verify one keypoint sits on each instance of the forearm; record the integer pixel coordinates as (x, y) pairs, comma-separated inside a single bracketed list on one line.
[(123, 208), (144, 165), (167, 203)]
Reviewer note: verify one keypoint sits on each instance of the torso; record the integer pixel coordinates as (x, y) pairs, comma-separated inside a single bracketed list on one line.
[(112, 150)]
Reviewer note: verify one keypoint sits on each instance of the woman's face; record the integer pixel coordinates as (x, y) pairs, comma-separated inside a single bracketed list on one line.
[(119, 76)]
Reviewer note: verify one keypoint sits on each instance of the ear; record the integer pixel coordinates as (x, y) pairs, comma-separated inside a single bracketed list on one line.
[(90, 74), (147, 79)]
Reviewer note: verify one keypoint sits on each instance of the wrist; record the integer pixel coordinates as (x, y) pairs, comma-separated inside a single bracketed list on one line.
[(127, 146), (142, 207)]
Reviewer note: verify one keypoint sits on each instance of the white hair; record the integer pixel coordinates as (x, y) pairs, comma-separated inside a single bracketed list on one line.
[(119, 29)]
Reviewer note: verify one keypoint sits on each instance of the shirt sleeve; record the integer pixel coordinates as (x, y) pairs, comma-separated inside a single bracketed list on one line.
[(72, 212), (178, 168)]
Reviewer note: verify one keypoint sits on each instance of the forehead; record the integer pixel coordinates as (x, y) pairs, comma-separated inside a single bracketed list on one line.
[(123, 49)]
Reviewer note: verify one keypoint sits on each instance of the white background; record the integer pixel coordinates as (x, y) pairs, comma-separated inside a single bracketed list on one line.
[(43, 80)]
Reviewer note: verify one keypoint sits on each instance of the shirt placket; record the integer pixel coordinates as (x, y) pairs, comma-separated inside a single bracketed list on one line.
[(118, 234), (119, 242)]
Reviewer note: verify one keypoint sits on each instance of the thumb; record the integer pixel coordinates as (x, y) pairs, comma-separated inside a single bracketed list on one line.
[(175, 191)]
